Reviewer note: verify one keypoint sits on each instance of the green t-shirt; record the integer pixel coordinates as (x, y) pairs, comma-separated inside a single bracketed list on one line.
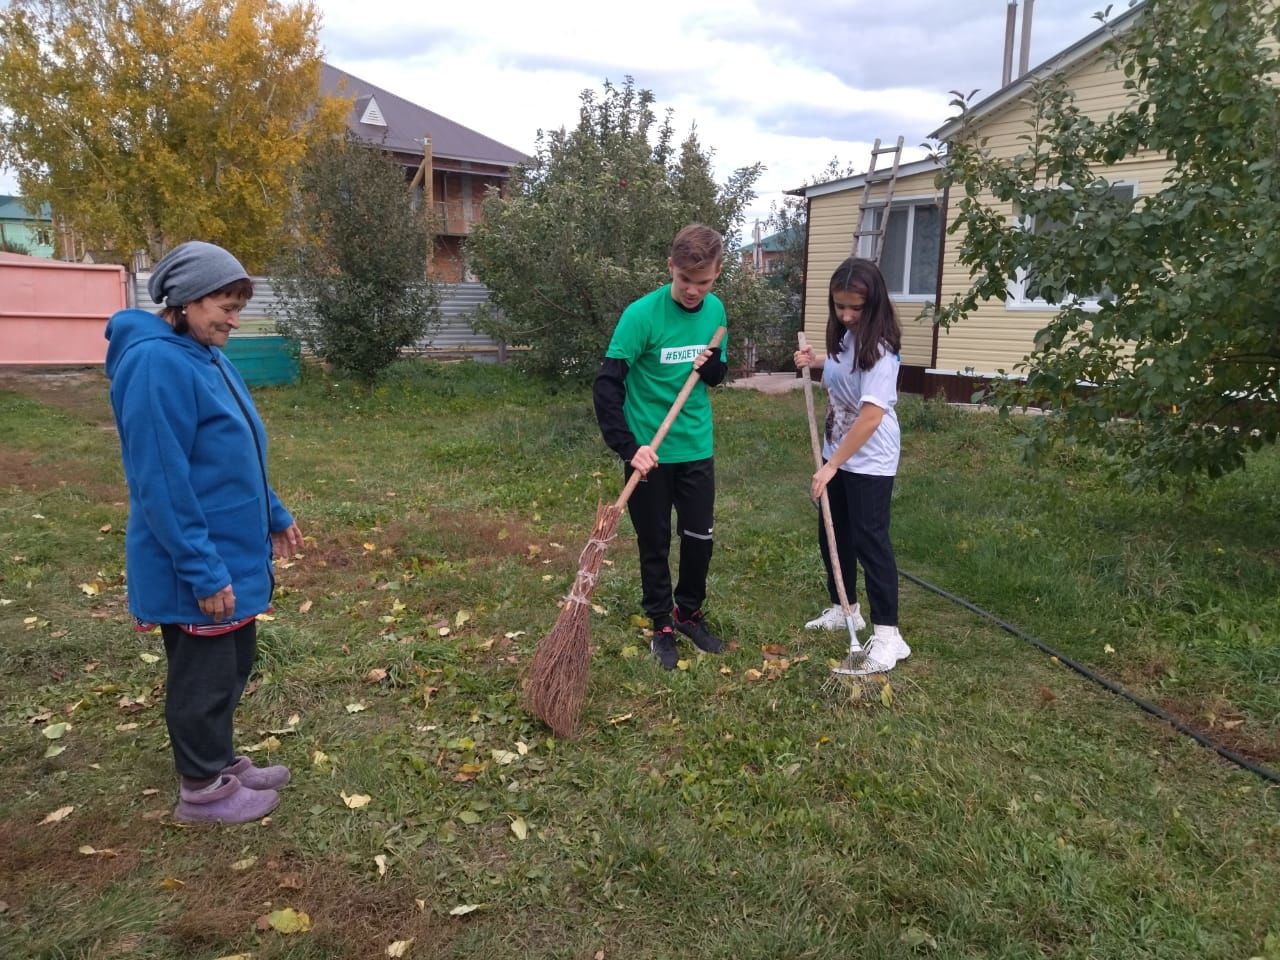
[(659, 340)]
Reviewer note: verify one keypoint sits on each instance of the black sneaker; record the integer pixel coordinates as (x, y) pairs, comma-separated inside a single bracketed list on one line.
[(695, 628), (663, 646)]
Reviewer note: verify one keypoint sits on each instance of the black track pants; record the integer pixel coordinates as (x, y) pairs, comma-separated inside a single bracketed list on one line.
[(860, 514), (689, 488)]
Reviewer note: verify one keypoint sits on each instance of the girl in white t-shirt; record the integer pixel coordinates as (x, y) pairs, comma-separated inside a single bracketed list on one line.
[(860, 452)]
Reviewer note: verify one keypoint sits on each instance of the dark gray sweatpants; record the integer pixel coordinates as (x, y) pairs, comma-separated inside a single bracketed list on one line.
[(207, 676)]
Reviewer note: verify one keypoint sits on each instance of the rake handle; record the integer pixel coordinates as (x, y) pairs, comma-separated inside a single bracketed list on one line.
[(825, 501), (690, 382)]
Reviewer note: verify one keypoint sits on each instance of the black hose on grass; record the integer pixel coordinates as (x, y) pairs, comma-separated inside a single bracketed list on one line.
[(1265, 772)]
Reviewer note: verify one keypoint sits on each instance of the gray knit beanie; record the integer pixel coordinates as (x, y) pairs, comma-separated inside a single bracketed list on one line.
[(192, 270)]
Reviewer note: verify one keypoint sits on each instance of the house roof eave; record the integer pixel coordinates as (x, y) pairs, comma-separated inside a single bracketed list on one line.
[(1060, 61), (859, 180)]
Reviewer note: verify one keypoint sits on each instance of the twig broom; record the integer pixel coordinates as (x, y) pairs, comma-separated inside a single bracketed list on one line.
[(556, 682)]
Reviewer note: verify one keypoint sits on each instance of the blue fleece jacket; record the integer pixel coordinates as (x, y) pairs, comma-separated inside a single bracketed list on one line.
[(195, 457)]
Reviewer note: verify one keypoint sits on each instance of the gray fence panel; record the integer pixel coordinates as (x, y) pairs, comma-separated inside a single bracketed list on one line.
[(454, 338)]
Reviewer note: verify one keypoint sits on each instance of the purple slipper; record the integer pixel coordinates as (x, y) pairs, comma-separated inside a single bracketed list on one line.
[(230, 802), (258, 778)]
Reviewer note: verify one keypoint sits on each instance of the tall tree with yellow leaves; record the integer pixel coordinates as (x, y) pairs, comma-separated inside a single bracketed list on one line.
[(144, 123)]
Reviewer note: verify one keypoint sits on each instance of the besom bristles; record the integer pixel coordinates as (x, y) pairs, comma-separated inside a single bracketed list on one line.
[(556, 682)]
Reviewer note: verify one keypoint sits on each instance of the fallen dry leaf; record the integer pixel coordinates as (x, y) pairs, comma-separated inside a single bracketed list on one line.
[(172, 883), (305, 607), (57, 816), (356, 800), (520, 828), (242, 865), (355, 707), (289, 921), (381, 861), (464, 909), (269, 744), (106, 854), (376, 675), (400, 948)]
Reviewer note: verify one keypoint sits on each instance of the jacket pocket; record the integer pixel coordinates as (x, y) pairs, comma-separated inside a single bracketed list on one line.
[(239, 534)]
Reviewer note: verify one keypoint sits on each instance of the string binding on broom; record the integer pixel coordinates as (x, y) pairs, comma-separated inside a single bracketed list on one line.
[(585, 583)]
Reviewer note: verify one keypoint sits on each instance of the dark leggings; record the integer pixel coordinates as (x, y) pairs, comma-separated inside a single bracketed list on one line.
[(207, 675), (860, 514)]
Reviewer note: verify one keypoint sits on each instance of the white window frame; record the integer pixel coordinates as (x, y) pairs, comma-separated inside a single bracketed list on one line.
[(1016, 299), (876, 212)]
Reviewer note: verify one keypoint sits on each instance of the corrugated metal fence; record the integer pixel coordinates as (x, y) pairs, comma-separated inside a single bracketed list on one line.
[(455, 338)]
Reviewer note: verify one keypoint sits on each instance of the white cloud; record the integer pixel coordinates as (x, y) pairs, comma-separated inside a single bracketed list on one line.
[(787, 88), (789, 85)]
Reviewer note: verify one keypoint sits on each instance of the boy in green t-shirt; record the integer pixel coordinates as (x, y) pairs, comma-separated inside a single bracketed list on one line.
[(656, 341)]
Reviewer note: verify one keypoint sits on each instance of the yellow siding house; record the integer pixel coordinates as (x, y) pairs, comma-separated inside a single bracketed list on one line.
[(919, 259), (1000, 333), (909, 258)]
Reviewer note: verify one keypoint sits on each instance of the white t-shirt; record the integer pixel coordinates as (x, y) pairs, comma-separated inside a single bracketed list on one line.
[(847, 390)]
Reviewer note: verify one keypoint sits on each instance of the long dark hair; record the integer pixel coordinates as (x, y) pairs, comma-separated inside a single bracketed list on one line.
[(878, 324)]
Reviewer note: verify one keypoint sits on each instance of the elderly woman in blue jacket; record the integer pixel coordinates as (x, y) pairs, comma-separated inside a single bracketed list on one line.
[(203, 519)]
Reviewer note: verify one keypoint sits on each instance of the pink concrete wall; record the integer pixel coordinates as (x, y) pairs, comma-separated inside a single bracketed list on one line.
[(53, 312)]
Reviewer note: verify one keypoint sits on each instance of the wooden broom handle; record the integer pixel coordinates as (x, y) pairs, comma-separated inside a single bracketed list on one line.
[(825, 506), (690, 382)]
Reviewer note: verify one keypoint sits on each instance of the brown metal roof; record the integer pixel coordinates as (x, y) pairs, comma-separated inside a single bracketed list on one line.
[(407, 123)]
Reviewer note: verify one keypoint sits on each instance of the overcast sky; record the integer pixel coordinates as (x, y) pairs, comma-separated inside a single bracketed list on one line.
[(790, 84)]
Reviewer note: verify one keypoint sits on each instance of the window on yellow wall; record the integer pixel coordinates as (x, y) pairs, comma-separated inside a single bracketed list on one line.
[(1123, 190), (909, 257)]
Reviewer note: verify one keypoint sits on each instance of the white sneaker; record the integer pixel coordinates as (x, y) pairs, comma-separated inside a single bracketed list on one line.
[(885, 650), (832, 618)]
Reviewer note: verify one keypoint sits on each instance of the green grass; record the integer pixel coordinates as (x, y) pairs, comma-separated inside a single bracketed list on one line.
[(989, 804)]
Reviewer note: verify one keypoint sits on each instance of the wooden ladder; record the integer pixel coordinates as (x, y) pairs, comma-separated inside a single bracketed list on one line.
[(887, 175)]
